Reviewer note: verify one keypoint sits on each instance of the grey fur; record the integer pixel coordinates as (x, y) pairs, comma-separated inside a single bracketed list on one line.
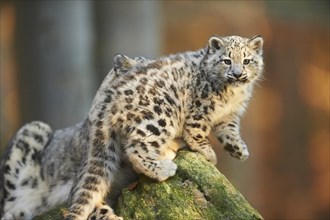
[(142, 113)]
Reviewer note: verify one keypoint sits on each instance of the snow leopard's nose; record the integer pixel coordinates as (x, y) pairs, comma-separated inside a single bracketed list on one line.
[(237, 71), (237, 75)]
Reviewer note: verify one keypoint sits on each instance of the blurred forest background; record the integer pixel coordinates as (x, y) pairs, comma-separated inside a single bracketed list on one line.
[(54, 55)]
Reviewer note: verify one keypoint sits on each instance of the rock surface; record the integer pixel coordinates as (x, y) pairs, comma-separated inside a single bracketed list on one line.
[(197, 191)]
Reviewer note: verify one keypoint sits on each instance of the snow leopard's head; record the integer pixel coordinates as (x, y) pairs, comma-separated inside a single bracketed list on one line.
[(234, 60)]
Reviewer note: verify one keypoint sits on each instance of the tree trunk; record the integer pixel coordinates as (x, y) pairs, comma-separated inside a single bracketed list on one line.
[(197, 191), (54, 47)]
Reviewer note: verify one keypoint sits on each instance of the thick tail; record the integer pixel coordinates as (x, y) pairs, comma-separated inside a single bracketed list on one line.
[(20, 166)]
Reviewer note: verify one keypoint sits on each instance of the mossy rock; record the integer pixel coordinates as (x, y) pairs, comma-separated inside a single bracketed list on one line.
[(54, 214), (197, 191)]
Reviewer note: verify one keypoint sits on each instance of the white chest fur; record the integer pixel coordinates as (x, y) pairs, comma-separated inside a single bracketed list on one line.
[(234, 100)]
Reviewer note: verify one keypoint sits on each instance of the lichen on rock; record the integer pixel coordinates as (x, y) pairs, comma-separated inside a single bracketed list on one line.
[(197, 191)]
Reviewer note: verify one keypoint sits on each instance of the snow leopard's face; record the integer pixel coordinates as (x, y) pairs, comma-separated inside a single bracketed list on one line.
[(234, 60)]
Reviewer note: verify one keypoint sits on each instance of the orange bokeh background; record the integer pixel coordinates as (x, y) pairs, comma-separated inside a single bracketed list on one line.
[(286, 125)]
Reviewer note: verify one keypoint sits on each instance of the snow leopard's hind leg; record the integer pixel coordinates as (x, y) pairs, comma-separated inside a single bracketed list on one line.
[(24, 189)]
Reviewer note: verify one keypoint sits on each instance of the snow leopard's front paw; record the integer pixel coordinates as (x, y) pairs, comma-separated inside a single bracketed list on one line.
[(165, 169), (103, 212), (158, 170), (208, 153), (236, 148)]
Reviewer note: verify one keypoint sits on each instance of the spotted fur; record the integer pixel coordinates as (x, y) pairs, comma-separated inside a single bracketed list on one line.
[(184, 96), (123, 64), (143, 115), (39, 165), (23, 180)]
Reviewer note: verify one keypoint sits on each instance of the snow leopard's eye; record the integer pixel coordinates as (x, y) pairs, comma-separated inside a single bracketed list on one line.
[(246, 61), (227, 61)]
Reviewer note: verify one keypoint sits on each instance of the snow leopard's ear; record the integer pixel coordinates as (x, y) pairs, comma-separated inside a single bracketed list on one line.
[(122, 62), (256, 43), (215, 43)]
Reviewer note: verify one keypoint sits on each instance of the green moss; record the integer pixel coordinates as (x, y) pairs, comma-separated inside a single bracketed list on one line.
[(150, 200), (197, 191), (54, 214)]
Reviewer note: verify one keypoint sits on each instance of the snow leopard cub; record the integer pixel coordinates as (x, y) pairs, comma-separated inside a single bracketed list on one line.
[(139, 116)]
